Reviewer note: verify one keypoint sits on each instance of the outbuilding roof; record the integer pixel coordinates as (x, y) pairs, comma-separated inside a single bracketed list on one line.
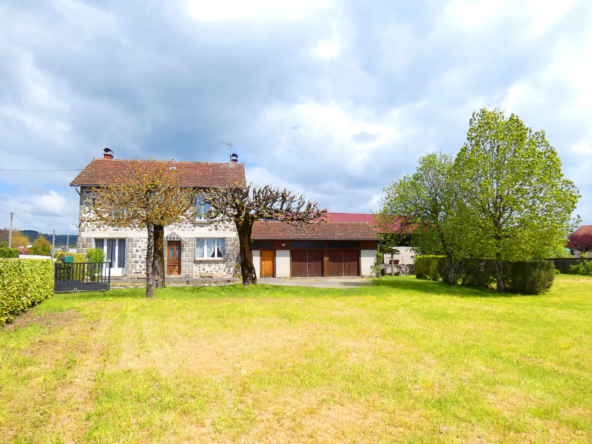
[(583, 229), (323, 231), (193, 174)]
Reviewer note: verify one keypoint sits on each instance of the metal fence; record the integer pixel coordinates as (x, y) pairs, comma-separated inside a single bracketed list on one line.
[(87, 276)]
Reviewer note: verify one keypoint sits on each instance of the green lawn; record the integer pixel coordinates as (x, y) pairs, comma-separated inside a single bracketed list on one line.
[(404, 361)]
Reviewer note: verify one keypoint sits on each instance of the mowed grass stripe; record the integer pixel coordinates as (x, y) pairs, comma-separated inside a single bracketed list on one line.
[(402, 361)]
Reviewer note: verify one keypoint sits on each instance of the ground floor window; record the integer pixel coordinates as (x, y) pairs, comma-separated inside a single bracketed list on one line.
[(210, 248), (114, 250)]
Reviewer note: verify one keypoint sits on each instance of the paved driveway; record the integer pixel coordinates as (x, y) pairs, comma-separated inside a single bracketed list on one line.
[(319, 282)]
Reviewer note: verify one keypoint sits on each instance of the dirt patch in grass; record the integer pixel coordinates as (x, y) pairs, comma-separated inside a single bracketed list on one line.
[(55, 320), (577, 281), (220, 355)]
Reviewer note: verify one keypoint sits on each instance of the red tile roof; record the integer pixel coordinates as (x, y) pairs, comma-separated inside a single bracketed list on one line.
[(324, 231), (584, 229), (194, 174), (393, 224), (351, 217)]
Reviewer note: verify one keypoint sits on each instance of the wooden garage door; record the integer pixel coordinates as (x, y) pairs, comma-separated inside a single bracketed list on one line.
[(307, 263), (267, 260), (315, 263), (299, 263), (335, 263), (351, 263)]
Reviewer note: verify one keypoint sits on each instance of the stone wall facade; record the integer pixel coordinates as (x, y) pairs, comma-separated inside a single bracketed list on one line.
[(186, 233)]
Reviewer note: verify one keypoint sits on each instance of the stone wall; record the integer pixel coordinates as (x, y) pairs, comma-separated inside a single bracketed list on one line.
[(186, 232)]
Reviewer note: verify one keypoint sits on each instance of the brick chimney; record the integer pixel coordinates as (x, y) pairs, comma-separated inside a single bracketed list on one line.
[(108, 153), (233, 158)]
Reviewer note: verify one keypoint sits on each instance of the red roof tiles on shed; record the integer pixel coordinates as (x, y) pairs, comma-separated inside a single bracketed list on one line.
[(194, 174), (351, 217), (584, 229), (324, 231)]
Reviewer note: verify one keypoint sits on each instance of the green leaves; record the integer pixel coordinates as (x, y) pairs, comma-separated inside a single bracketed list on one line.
[(503, 196), (512, 192)]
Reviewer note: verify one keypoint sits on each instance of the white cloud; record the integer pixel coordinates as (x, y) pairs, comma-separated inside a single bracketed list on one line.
[(582, 147), (43, 212), (328, 49), (533, 17), (256, 10)]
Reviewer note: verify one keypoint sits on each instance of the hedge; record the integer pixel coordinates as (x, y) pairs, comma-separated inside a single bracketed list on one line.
[(9, 253), (78, 257), (525, 277), (529, 277), (582, 267), (23, 284), (429, 267)]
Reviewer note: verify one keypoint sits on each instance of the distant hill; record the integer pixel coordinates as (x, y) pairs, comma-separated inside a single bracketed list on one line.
[(60, 238)]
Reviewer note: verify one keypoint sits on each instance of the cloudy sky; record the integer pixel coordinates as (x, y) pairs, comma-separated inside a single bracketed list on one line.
[(331, 98)]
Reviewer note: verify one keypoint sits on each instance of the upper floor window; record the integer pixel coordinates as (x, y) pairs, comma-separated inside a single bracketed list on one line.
[(201, 208)]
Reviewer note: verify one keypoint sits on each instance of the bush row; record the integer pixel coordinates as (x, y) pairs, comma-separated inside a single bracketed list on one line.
[(23, 284), (78, 257), (526, 277), (9, 252), (582, 267)]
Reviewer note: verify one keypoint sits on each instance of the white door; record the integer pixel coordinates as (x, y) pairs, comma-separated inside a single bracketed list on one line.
[(114, 254)]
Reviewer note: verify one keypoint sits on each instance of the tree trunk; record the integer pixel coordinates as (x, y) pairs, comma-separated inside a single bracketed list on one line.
[(500, 272), (158, 263), (244, 228), (149, 262), (451, 273)]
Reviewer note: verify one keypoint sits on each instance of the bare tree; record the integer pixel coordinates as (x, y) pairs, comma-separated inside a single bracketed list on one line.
[(245, 205), (148, 195)]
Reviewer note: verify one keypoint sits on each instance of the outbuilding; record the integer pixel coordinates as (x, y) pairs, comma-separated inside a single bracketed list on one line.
[(331, 249)]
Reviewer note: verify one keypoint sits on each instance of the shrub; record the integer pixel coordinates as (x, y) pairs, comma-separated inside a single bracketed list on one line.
[(378, 264), (78, 257), (9, 252), (529, 277), (557, 271), (582, 267), (41, 247), (24, 250), (23, 284), (429, 267), (40, 251), (95, 255), (525, 277), (477, 272)]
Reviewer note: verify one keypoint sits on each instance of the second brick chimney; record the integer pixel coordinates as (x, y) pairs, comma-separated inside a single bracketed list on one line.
[(108, 153)]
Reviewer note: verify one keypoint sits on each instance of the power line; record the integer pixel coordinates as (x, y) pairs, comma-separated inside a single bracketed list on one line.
[(36, 215), (42, 171), (36, 229)]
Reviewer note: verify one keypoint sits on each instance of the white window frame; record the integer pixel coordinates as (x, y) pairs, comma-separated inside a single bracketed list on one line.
[(201, 209), (205, 248)]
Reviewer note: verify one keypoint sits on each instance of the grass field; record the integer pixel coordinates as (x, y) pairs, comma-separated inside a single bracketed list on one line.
[(404, 361)]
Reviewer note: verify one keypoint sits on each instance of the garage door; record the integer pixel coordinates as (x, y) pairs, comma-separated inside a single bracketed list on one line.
[(351, 263), (307, 263), (344, 263)]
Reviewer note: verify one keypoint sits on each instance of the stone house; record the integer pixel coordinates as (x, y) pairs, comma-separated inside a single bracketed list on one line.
[(195, 249)]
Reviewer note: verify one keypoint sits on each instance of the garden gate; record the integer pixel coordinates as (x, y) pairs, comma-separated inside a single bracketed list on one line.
[(87, 276)]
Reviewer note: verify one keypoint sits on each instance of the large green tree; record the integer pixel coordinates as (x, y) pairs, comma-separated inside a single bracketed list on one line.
[(514, 200), (423, 205)]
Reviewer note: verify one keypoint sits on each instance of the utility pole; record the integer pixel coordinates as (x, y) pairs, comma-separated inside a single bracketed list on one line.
[(10, 231), (68, 243)]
